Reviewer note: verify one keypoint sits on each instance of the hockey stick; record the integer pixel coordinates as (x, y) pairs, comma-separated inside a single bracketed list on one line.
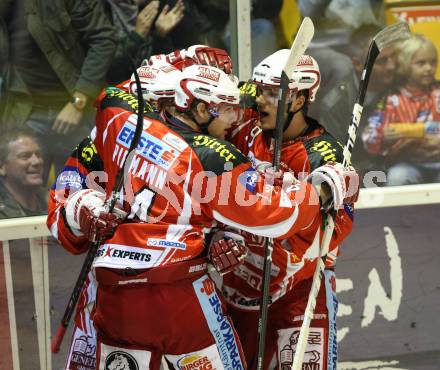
[(381, 40), (109, 203), (300, 44)]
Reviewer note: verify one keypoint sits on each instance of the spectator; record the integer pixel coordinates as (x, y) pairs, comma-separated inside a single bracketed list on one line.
[(206, 22), (57, 56), (21, 176), (406, 131), (337, 104), (139, 32), (334, 21)]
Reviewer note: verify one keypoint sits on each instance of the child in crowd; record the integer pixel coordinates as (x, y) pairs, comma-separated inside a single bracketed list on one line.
[(405, 129)]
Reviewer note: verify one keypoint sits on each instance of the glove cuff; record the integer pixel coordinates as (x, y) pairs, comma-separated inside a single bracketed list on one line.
[(91, 199), (333, 180)]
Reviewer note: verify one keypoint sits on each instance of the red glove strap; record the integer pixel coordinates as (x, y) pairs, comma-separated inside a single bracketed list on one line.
[(352, 185), (97, 228), (225, 255), (213, 57)]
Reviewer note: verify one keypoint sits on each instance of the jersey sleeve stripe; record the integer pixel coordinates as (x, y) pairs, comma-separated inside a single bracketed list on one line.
[(271, 231)]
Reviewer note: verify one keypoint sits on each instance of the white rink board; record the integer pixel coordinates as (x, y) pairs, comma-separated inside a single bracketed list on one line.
[(375, 331)]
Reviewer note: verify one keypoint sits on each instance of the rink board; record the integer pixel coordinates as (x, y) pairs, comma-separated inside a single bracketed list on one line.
[(388, 289), (389, 284)]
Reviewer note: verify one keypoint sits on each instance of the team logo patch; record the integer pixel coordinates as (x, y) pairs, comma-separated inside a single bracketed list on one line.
[(217, 146), (120, 360), (84, 354), (175, 141), (70, 178), (305, 60), (195, 362), (149, 147), (117, 97), (209, 74), (314, 353), (249, 179), (326, 150), (152, 242)]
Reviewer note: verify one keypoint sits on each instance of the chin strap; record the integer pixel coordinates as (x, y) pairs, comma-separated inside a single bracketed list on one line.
[(204, 127), (289, 118)]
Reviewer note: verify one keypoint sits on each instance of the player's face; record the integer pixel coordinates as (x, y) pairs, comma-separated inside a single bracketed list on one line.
[(267, 100), (227, 116), (422, 68), (24, 164)]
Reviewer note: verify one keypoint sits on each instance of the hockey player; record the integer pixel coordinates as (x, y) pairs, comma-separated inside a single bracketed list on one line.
[(306, 147), (150, 269), (158, 86), (158, 78)]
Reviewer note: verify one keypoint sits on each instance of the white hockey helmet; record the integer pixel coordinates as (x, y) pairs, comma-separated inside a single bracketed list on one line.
[(306, 75), (157, 82), (207, 84)]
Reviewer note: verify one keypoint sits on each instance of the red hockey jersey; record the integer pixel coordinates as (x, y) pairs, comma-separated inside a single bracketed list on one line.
[(293, 258), (179, 184)]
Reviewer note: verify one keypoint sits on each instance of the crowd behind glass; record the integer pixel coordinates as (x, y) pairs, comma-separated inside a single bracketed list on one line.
[(56, 56)]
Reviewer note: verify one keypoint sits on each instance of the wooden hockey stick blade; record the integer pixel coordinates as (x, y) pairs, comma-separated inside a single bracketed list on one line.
[(391, 34), (300, 44)]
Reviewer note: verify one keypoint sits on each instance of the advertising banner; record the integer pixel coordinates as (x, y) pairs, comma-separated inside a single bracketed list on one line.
[(389, 290)]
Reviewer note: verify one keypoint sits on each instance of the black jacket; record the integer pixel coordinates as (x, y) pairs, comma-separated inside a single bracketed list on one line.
[(78, 41)]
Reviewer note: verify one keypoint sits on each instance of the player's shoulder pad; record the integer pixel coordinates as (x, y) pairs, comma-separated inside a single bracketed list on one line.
[(322, 149), (248, 94), (215, 153), (248, 88), (88, 156), (115, 97)]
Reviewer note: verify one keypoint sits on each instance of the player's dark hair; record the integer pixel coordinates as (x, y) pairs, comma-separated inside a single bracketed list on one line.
[(305, 107)]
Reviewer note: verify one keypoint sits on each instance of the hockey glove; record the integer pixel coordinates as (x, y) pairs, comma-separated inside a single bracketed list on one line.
[(336, 185), (226, 251), (196, 54), (87, 216), (276, 178), (214, 57)]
